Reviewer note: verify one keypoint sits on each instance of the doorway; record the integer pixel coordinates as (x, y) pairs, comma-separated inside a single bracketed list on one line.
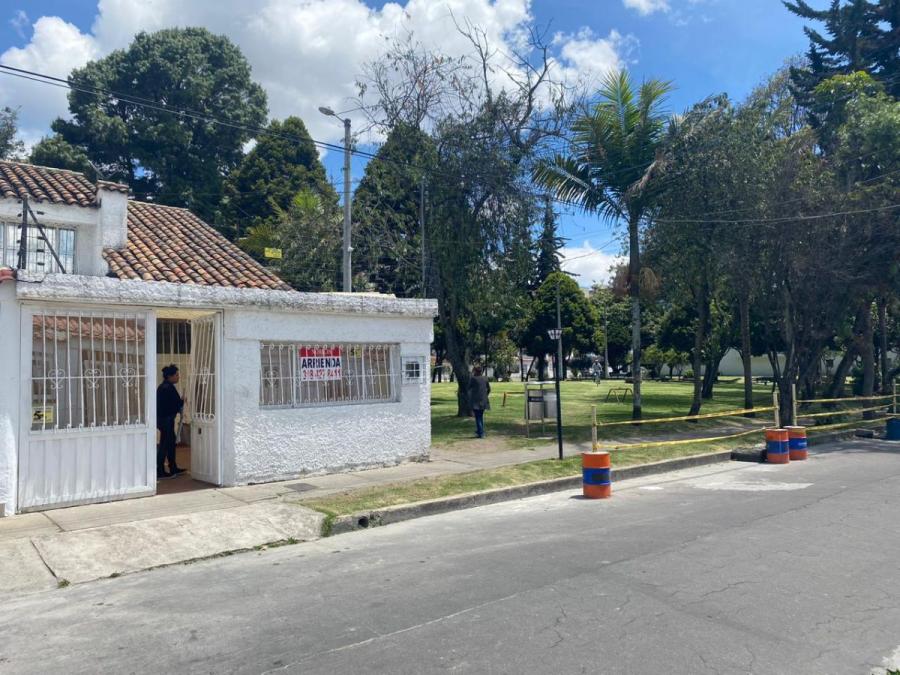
[(190, 341)]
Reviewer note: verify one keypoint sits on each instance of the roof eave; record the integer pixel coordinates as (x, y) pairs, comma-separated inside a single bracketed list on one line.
[(106, 290)]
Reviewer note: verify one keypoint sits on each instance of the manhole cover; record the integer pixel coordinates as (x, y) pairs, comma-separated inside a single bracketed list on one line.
[(300, 487)]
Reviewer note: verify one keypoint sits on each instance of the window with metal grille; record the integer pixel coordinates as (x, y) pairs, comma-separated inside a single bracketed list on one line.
[(87, 370), (39, 257), (301, 375)]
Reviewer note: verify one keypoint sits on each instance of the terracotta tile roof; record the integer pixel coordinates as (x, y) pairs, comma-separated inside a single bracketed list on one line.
[(164, 243), (167, 243), (43, 184)]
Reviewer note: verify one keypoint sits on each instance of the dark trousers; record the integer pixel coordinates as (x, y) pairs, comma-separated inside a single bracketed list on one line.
[(479, 423), (167, 441)]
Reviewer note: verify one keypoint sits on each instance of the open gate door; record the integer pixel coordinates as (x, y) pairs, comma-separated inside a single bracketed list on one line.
[(203, 394)]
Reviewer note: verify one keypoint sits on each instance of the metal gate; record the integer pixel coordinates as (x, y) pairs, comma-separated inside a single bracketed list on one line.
[(203, 400), (86, 434)]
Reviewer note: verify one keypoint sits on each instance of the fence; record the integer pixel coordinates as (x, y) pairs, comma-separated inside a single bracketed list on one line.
[(668, 420), (869, 406), (873, 409)]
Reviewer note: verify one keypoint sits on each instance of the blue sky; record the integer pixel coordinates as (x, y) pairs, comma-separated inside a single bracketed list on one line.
[(702, 46)]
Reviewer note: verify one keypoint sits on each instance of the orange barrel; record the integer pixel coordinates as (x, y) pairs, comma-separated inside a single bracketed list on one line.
[(777, 450), (797, 443), (595, 474)]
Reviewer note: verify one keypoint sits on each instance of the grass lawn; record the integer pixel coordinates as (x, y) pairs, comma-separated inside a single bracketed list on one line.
[(444, 486), (660, 399)]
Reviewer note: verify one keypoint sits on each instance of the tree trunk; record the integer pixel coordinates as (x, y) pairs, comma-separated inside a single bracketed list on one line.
[(746, 351), (702, 307), (634, 289), (459, 359), (788, 375), (838, 380), (541, 368), (712, 372), (867, 352), (883, 343)]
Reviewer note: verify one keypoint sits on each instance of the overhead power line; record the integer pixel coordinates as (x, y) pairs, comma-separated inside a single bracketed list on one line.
[(43, 78)]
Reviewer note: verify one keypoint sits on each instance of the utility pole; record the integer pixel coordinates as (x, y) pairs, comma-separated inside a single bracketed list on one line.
[(422, 234), (346, 266), (348, 287), (605, 344), (556, 333)]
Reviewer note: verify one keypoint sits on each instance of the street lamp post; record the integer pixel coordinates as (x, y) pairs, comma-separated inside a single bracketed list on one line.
[(347, 249), (556, 334)]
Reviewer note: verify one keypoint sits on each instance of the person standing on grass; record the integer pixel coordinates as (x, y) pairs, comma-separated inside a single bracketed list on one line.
[(168, 404), (479, 390)]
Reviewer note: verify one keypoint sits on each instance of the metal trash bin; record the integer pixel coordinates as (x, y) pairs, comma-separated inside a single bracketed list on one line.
[(535, 405), (550, 405)]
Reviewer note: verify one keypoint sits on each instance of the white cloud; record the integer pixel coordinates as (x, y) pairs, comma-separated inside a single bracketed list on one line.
[(304, 53), (584, 57), (55, 48), (591, 265), (645, 7)]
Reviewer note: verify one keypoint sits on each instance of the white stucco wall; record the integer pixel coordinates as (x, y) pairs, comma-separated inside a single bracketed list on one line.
[(96, 227), (9, 394), (257, 444), (270, 444)]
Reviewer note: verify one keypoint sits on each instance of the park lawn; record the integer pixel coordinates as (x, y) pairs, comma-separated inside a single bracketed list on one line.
[(369, 499), (660, 399)]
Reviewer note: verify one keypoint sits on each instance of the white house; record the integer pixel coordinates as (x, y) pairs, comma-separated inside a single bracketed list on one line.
[(279, 383)]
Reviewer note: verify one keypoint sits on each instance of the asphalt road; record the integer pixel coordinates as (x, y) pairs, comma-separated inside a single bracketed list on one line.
[(734, 568)]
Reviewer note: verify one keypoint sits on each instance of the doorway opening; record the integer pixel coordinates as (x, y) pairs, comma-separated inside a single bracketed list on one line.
[(188, 340)]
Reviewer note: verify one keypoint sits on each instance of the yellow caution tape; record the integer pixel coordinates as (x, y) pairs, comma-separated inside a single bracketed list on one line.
[(843, 424), (684, 441), (843, 400), (726, 413), (839, 413)]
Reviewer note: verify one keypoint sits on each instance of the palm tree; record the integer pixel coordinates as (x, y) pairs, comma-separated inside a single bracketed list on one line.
[(614, 154)]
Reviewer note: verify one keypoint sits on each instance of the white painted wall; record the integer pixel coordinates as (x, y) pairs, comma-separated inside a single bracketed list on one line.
[(271, 444), (96, 227), (9, 395), (732, 366)]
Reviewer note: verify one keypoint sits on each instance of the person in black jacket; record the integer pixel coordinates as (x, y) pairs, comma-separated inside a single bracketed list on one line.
[(479, 390), (168, 404)]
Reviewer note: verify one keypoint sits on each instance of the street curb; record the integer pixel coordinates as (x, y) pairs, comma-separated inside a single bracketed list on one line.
[(396, 514)]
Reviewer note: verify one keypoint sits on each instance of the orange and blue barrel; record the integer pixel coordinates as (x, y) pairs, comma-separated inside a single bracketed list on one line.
[(596, 475), (777, 446), (797, 443)]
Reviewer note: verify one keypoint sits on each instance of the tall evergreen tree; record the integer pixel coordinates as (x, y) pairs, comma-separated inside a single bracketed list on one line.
[(173, 158), (283, 164), (387, 237), (547, 247), (858, 35)]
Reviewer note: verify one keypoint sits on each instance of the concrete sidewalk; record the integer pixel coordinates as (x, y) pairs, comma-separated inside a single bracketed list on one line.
[(81, 543)]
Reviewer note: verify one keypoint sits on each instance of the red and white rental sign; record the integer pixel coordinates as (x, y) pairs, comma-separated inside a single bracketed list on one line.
[(320, 364)]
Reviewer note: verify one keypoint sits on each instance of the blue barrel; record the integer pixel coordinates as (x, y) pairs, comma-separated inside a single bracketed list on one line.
[(893, 429)]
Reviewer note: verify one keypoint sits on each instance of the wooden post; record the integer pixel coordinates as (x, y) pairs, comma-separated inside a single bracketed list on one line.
[(794, 404), (594, 445), (777, 415)]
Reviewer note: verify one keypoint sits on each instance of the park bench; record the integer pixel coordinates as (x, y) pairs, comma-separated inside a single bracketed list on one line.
[(619, 393)]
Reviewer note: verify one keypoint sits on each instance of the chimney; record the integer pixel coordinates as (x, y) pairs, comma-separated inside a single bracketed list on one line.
[(113, 199)]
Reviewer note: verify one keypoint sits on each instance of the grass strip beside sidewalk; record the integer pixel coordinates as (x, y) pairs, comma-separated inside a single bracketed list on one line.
[(368, 499)]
